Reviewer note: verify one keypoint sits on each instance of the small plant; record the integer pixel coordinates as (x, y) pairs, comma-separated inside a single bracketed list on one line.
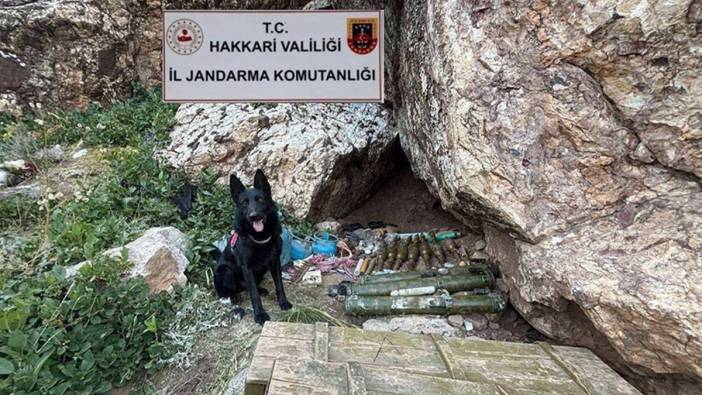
[(300, 227), (141, 118), (16, 140), (79, 335), (18, 211)]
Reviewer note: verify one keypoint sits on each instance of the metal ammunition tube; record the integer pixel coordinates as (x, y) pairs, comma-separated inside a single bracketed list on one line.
[(453, 283), (441, 304)]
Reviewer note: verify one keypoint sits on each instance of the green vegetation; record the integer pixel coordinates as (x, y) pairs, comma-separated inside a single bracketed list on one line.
[(89, 333), (79, 336)]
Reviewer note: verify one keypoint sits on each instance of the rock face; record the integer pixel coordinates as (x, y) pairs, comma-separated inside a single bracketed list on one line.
[(158, 256), (69, 53), (573, 131), (321, 159)]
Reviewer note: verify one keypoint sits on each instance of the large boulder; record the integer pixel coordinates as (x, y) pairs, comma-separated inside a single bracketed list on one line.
[(68, 52), (321, 159), (158, 256), (572, 130)]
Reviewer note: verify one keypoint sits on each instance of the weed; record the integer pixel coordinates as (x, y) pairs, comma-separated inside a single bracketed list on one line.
[(19, 212), (80, 335), (299, 227), (142, 118), (16, 141)]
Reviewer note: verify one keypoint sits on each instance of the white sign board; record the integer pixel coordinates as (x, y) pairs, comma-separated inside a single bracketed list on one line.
[(273, 56)]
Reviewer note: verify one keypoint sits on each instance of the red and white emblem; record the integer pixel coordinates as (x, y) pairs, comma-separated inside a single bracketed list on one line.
[(184, 36), (362, 34)]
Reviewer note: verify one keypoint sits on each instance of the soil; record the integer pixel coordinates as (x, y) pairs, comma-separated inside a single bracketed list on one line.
[(404, 200)]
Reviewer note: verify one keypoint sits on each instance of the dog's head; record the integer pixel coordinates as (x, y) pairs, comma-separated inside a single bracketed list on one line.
[(254, 205)]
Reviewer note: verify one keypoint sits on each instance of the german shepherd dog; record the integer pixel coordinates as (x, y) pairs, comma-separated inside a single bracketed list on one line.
[(253, 249)]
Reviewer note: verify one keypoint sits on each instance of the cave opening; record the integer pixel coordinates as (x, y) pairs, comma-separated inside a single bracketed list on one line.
[(403, 201)]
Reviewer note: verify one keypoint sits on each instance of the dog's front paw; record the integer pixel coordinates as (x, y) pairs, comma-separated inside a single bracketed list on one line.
[(285, 305), (238, 313), (262, 317)]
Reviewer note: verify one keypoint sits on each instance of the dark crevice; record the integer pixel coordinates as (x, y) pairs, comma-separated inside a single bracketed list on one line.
[(402, 199)]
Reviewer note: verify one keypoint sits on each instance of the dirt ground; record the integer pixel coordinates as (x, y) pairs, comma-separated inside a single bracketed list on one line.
[(405, 201)]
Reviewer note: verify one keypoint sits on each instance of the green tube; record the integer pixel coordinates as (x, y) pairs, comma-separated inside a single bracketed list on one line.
[(447, 235), (442, 304), (385, 277), (450, 283)]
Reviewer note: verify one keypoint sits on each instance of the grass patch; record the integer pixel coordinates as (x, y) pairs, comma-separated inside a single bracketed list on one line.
[(19, 212), (97, 331), (126, 123), (81, 335)]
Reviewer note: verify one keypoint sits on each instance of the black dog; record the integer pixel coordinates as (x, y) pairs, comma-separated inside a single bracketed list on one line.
[(253, 249)]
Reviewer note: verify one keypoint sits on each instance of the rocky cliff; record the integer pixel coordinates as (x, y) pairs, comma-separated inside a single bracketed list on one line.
[(70, 53), (572, 131)]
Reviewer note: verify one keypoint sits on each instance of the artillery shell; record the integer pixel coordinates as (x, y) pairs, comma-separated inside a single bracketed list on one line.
[(412, 253), (390, 258), (383, 251), (436, 248), (424, 250), (357, 271), (401, 253), (450, 246), (392, 253), (421, 265), (371, 265), (364, 266), (403, 250)]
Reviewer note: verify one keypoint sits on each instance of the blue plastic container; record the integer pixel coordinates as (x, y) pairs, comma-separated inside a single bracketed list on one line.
[(299, 249), (324, 245)]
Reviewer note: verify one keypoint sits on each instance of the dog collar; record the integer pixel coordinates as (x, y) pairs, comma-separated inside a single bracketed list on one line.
[(260, 241)]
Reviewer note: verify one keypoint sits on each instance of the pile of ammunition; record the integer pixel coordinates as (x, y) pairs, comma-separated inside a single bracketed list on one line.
[(424, 292), (413, 252), (423, 273)]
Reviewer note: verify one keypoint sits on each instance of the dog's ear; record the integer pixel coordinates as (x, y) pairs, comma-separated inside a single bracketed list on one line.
[(235, 187), (261, 182)]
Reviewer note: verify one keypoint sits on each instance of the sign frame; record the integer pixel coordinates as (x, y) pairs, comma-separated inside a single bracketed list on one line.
[(381, 60)]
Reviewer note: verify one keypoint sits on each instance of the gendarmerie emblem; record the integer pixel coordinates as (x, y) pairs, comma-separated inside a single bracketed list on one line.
[(362, 34), (184, 36)]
